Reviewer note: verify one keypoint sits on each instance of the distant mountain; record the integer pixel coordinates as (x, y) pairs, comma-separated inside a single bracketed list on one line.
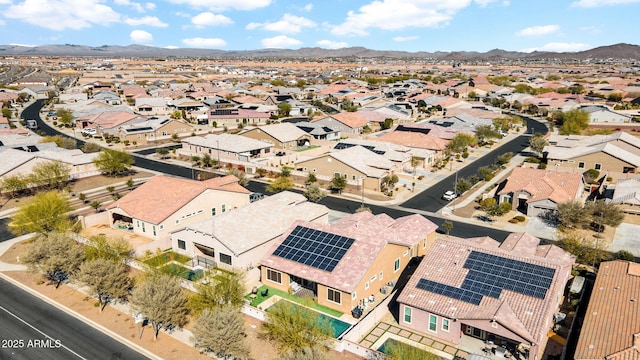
[(617, 51)]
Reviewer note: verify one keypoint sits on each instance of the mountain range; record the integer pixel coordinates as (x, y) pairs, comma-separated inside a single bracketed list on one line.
[(617, 51)]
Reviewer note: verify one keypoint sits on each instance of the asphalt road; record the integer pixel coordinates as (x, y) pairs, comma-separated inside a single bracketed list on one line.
[(33, 329), (430, 200)]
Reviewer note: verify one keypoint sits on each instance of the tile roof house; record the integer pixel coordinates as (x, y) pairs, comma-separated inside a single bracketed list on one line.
[(235, 116), (165, 204), (603, 114), (505, 293), (626, 193), (345, 262), (151, 106), (611, 326), (20, 160), (535, 191), (617, 154), (109, 122), (319, 132), (225, 147), (154, 129), (284, 136), (237, 239), (348, 122)]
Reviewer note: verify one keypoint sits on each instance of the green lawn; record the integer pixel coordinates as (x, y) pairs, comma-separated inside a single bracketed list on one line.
[(308, 148), (165, 257), (285, 295)]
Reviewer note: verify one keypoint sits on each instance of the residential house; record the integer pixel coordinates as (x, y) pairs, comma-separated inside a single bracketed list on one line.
[(626, 193), (423, 137), (358, 165), (225, 147), (502, 293), (236, 116), (345, 122), (21, 160), (347, 263), (151, 106), (107, 97), (616, 155), (237, 239), (154, 129), (603, 114), (536, 191), (109, 122), (611, 327), (164, 204), (403, 157), (283, 136), (319, 132)]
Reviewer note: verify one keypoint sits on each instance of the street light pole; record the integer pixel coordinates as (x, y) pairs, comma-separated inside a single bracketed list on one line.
[(362, 190), (218, 146)]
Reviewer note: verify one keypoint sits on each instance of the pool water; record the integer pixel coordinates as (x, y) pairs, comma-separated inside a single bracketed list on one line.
[(337, 326), (183, 272)]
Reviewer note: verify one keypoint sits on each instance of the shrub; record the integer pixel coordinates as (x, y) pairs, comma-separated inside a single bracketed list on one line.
[(513, 221), (532, 159), (542, 166), (520, 218)]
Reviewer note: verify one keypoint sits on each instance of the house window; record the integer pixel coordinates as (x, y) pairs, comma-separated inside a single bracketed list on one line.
[(445, 325), (213, 211), (433, 323), (177, 221), (182, 245), (153, 227), (405, 253), (381, 275), (407, 315), (224, 207), (274, 276), (225, 259), (161, 226), (353, 295), (334, 296), (597, 166), (581, 165), (396, 265), (366, 285), (353, 177), (143, 229), (424, 243), (373, 278)]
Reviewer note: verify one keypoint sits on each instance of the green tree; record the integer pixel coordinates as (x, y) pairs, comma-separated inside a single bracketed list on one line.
[(314, 192), (338, 183), (574, 122), (284, 109), (574, 214), (14, 184), (386, 124), (388, 182), (46, 213), (159, 297), (486, 132), (462, 186), (447, 226), (225, 289), (587, 251), (65, 116), (318, 352), (624, 255), (460, 142), (113, 162), (537, 143), (56, 256), (95, 204), (311, 178), (609, 214), (281, 183), (90, 147), (221, 331), (504, 158), (61, 141), (163, 152), (52, 174), (108, 280), (114, 249), (486, 173), (241, 175), (293, 327)]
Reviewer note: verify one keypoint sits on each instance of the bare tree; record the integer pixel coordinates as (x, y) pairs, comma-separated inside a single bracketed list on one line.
[(107, 279), (161, 300), (221, 330)]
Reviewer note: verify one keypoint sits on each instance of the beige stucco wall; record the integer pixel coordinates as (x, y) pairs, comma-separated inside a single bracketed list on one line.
[(608, 163), (328, 166)]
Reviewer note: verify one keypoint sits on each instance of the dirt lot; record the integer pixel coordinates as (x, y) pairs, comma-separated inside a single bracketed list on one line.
[(121, 323)]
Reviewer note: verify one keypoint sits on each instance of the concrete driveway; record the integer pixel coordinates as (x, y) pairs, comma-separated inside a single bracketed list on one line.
[(627, 237)]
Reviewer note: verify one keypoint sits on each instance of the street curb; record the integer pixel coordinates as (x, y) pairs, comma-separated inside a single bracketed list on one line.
[(82, 318)]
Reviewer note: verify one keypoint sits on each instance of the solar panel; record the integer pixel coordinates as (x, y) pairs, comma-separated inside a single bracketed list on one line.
[(342, 146), (490, 274), (315, 248)]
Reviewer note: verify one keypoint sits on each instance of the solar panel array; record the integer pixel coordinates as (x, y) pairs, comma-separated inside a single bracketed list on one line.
[(341, 146), (490, 274), (315, 248)]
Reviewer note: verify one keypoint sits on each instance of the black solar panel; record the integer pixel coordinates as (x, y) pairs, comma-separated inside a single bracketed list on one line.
[(342, 146), (315, 248), (490, 274), (450, 291)]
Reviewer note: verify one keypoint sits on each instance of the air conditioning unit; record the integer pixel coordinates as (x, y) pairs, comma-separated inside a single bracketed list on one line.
[(391, 283), (384, 290)]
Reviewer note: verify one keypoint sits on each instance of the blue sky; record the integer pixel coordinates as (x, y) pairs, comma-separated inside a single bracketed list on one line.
[(409, 25)]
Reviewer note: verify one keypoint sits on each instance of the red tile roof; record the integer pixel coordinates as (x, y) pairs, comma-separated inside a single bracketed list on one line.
[(158, 198), (558, 187)]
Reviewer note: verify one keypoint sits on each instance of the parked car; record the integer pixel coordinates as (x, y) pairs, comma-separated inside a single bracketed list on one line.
[(89, 131), (449, 195), (255, 196), (31, 124)]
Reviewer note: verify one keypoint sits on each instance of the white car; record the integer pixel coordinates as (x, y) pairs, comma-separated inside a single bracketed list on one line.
[(449, 195), (89, 131)]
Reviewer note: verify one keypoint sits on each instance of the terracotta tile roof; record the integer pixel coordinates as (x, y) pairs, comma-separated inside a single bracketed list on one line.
[(415, 140), (558, 187), (351, 119), (611, 325), (108, 119), (162, 196), (247, 99), (524, 315), (371, 234)]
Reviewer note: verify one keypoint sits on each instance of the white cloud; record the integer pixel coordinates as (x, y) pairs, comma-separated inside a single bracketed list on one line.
[(328, 44), (599, 3), (210, 19), (150, 6), (280, 42), (289, 24), (140, 37), (539, 30), (63, 14), (204, 42), (405, 38), (308, 7), (561, 47), (147, 20), (399, 14), (136, 6), (485, 3), (591, 29), (172, 47), (222, 5)]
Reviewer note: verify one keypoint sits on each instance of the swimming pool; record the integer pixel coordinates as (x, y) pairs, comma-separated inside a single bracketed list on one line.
[(337, 326)]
